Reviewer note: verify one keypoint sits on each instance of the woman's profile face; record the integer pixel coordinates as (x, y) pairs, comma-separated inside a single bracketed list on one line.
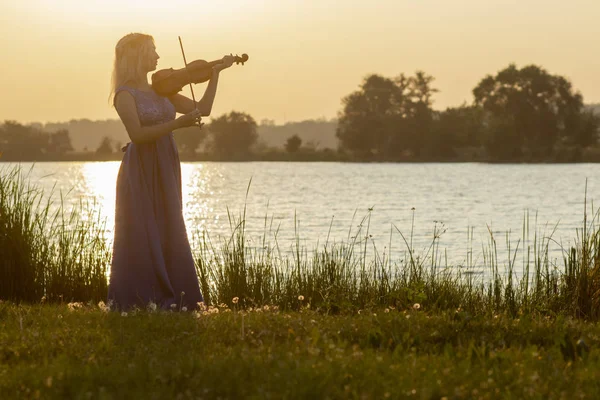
[(152, 58)]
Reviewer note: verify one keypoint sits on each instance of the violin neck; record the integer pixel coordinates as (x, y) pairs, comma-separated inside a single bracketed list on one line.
[(215, 62), (238, 60)]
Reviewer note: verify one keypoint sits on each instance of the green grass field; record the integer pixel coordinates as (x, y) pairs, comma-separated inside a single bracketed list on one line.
[(55, 352)]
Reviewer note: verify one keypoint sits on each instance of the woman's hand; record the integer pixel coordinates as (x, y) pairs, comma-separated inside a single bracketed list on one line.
[(226, 62), (190, 119)]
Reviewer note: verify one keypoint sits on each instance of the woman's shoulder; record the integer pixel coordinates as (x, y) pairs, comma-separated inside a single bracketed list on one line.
[(123, 89), (133, 90), (127, 88)]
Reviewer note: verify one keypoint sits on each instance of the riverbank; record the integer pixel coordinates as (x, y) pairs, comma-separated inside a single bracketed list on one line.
[(466, 155), (81, 351)]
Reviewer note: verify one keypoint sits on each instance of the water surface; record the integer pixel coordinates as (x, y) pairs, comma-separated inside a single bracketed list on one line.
[(319, 202)]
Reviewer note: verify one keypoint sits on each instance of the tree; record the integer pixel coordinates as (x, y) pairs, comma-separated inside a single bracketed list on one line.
[(460, 126), (387, 117), (60, 142), (292, 145), (364, 125), (528, 110), (105, 147), (416, 131), (233, 134), (585, 129), (19, 141), (189, 139)]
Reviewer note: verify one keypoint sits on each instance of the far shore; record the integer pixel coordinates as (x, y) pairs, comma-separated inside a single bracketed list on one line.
[(327, 155)]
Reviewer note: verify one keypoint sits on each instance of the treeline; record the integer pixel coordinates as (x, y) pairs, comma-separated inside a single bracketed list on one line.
[(517, 115), (85, 140), (18, 142)]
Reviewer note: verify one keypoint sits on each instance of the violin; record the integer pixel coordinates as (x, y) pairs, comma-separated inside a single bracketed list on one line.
[(168, 82)]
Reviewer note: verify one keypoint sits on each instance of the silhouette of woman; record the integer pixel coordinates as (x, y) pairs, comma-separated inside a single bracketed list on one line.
[(152, 261)]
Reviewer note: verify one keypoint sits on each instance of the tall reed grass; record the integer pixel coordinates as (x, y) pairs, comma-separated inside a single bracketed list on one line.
[(47, 251), (357, 275), (66, 256)]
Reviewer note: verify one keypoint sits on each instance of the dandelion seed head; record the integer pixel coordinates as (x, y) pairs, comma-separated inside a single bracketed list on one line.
[(103, 307), (123, 314), (235, 300), (173, 306), (301, 298), (416, 306), (74, 306), (184, 309)]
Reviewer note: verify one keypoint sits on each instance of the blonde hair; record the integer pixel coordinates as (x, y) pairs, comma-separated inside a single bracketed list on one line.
[(131, 54)]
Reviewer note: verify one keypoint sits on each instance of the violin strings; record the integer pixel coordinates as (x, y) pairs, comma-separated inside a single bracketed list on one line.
[(188, 72)]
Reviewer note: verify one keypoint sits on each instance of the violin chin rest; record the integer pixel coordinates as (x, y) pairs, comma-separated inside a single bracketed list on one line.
[(163, 73)]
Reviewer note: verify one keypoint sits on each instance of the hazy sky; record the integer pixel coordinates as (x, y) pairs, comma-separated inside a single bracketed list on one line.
[(304, 55)]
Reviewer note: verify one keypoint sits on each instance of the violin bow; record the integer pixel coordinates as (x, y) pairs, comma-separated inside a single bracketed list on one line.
[(186, 68)]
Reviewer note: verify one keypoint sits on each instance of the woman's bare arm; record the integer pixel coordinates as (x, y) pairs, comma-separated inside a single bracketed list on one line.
[(184, 104), (127, 110)]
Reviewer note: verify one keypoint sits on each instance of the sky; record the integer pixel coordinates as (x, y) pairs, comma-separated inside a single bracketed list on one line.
[(305, 56)]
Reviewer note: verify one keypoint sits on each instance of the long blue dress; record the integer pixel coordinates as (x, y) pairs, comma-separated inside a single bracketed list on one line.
[(152, 260)]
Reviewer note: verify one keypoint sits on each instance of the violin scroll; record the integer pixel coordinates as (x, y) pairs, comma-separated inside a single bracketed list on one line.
[(242, 59)]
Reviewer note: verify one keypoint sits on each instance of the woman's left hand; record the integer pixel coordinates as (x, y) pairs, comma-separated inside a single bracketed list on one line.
[(226, 62)]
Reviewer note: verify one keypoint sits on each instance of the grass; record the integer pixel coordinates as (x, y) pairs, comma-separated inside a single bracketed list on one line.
[(55, 352), (47, 251), (354, 275)]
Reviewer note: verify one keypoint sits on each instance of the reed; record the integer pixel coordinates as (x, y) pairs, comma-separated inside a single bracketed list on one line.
[(49, 252), (356, 275)]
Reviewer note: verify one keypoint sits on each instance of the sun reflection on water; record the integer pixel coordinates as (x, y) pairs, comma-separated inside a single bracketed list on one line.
[(99, 183), (198, 182)]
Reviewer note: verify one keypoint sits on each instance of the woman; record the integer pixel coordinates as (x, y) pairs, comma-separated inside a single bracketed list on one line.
[(152, 261)]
